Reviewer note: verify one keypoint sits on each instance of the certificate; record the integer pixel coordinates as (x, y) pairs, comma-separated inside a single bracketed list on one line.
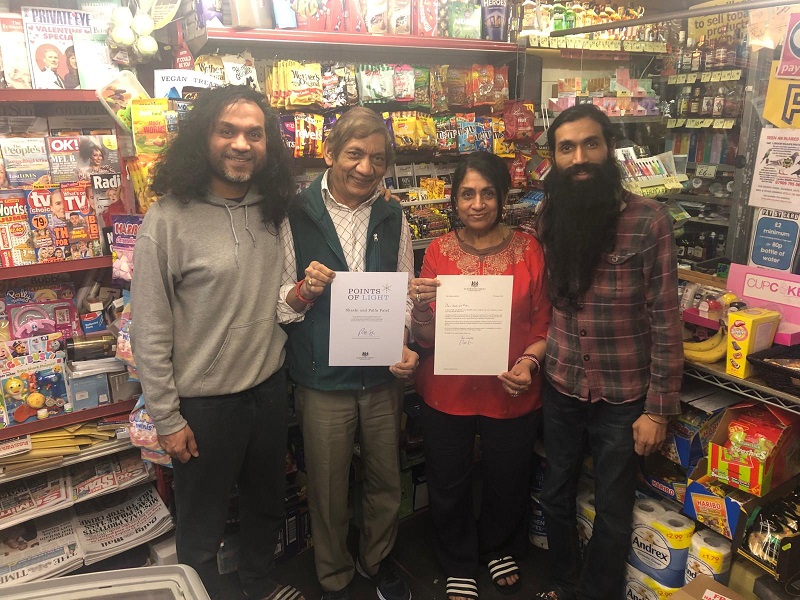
[(473, 324), (368, 315)]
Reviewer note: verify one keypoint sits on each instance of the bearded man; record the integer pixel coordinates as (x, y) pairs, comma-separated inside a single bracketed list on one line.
[(614, 354)]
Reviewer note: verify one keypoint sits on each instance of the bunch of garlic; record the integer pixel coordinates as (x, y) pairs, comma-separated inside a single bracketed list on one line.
[(132, 33)]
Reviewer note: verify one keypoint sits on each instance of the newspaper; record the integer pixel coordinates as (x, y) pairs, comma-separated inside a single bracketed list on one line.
[(14, 446), (34, 496), (107, 474), (117, 522), (39, 549)]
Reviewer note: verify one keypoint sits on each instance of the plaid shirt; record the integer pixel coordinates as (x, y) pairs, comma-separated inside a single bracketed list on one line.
[(626, 341)]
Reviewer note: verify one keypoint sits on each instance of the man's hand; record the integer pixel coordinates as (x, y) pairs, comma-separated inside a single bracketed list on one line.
[(407, 365), (648, 435), (317, 277), (180, 445)]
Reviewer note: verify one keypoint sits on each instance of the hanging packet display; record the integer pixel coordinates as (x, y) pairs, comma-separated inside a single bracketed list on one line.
[(446, 134), (405, 130), (467, 137), (519, 121), (288, 132), (304, 86), (439, 99), (500, 87), (375, 83), (210, 64), (240, 69), (482, 88), (308, 135), (500, 145), (457, 87), (334, 93), (483, 134), (426, 132), (403, 83), (422, 87)]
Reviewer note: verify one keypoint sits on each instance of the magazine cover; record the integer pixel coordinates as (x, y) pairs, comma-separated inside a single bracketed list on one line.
[(97, 154), (14, 70), (83, 231), (15, 234), (124, 230), (108, 195), (48, 221), (21, 119), (78, 118), (48, 33), (25, 161), (62, 154)]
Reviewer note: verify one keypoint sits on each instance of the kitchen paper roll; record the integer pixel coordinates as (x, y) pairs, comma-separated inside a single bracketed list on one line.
[(660, 548), (709, 554)]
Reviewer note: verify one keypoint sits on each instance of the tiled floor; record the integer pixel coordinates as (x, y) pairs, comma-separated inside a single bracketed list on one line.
[(414, 557)]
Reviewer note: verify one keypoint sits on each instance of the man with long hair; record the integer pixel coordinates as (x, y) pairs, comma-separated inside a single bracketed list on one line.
[(614, 354), (207, 343), (341, 223)]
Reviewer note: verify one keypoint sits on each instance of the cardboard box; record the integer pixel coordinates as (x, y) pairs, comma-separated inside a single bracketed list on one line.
[(704, 587), (721, 507), (749, 330), (664, 478), (88, 392), (688, 435), (756, 473)]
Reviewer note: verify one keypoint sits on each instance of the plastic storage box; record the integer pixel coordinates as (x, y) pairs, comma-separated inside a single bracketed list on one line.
[(172, 582)]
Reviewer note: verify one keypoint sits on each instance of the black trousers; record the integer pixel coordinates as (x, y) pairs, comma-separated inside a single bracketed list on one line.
[(462, 543), (241, 438)]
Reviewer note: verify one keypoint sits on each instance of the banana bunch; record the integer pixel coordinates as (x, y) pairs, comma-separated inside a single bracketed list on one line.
[(708, 351)]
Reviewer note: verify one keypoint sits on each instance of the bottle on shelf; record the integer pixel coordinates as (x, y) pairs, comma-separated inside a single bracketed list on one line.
[(718, 109), (686, 56), (719, 250), (707, 103), (569, 17), (579, 11), (721, 59), (557, 16), (699, 56), (733, 102), (696, 102), (710, 55), (684, 100)]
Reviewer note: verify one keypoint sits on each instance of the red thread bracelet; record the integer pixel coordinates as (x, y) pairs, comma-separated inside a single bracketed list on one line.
[(300, 295)]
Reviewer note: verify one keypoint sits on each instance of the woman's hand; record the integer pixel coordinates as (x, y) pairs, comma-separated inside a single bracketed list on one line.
[(422, 292), (518, 379), (317, 277)]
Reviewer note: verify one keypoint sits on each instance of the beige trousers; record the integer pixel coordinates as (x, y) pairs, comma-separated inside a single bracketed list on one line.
[(329, 421)]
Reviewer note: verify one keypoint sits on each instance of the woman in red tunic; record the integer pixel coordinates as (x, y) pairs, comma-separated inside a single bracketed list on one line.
[(503, 410)]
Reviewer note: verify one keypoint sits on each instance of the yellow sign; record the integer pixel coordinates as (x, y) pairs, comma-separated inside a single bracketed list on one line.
[(715, 27), (782, 107)]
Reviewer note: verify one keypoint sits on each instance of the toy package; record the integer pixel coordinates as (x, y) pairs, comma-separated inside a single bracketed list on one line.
[(31, 392), (42, 318), (123, 230), (15, 353)]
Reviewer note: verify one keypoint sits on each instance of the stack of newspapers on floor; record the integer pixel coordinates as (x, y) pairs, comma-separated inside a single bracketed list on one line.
[(54, 522)]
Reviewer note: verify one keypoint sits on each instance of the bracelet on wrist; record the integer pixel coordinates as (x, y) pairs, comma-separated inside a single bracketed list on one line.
[(533, 359), (666, 422), (417, 321), (299, 294)]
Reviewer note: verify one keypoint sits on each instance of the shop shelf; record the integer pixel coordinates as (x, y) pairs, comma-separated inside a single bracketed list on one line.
[(421, 244), (702, 278), (48, 96), (704, 199), (753, 387), (691, 315), (117, 408), (95, 451), (282, 37), (68, 266), (720, 168)]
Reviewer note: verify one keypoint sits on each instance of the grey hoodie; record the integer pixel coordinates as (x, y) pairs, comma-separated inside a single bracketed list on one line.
[(206, 279)]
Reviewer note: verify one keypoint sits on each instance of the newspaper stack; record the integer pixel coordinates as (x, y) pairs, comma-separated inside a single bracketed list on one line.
[(107, 474), (115, 523), (38, 495), (39, 549)]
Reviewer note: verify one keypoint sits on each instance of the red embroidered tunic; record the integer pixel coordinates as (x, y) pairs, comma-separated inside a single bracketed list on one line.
[(521, 256)]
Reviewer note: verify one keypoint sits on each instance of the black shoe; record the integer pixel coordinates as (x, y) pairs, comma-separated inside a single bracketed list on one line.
[(388, 583), (551, 595), (340, 595)]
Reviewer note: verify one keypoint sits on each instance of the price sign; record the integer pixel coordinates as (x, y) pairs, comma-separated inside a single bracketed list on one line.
[(681, 79), (672, 123), (707, 122), (708, 171), (632, 186), (672, 79), (729, 123), (691, 77), (694, 123), (574, 43), (716, 76), (736, 75), (719, 124), (561, 42)]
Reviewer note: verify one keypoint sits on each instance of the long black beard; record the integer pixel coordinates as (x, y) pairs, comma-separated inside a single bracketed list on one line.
[(578, 224)]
